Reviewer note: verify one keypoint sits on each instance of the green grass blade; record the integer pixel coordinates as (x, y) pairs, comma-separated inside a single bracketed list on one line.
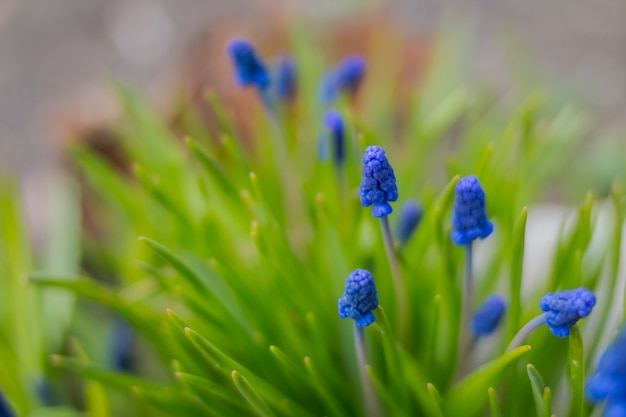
[(576, 371), (251, 395), (538, 387)]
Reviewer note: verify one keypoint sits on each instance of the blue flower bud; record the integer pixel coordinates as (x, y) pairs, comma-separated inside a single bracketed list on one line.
[(488, 315), (334, 122), (609, 380), (122, 346), (5, 408), (378, 185), (469, 218), (350, 73), (345, 77), (359, 298), (286, 79), (565, 308), (410, 217), (249, 69)]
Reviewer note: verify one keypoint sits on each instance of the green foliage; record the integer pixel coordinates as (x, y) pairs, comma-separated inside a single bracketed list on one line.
[(228, 258)]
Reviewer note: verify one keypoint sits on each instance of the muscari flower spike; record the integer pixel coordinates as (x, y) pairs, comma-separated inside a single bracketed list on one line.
[(563, 309), (469, 217), (608, 383), (486, 318), (286, 79), (410, 217), (346, 76), (336, 127), (359, 298), (378, 185), (249, 69)]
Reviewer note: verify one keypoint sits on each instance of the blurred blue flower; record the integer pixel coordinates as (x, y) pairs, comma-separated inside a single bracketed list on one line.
[(488, 315), (5, 408), (469, 218), (122, 346), (609, 380), (359, 298), (249, 69), (286, 79), (563, 309), (378, 185), (345, 77), (335, 125), (409, 218)]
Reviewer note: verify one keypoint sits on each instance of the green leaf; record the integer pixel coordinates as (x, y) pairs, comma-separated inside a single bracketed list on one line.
[(249, 393), (494, 406), (547, 403), (517, 264), (576, 370), (469, 395), (538, 387), (436, 398)]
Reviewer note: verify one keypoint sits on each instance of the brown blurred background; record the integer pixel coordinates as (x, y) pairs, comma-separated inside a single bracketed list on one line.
[(55, 54)]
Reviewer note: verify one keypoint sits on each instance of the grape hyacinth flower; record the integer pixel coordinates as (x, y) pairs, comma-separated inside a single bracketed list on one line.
[(5, 408), (345, 77), (286, 79), (249, 69), (122, 346), (608, 383), (359, 298), (378, 185), (469, 218), (410, 217), (487, 317), (562, 311), (335, 125), (565, 308)]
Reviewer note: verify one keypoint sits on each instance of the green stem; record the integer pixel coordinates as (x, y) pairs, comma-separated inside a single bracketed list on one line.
[(523, 333), (466, 313), (398, 284), (372, 406)]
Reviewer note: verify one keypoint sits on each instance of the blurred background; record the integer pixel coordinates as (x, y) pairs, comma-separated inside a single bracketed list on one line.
[(56, 54)]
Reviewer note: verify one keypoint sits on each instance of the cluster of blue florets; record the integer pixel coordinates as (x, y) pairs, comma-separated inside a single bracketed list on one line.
[(359, 298), (608, 383), (563, 309), (378, 185), (345, 77), (488, 315), (469, 216), (249, 69)]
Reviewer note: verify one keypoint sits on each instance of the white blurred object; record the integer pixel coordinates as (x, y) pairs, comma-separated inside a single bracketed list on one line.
[(141, 30)]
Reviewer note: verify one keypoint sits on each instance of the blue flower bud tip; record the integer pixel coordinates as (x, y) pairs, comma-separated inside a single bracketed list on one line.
[(609, 379), (359, 298), (378, 185), (286, 79), (563, 309), (335, 125), (410, 217), (469, 216), (249, 69), (488, 315)]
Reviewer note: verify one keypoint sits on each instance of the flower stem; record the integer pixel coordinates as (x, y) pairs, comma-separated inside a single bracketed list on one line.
[(466, 313), (372, 407), (398, 284), (523, 333)]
